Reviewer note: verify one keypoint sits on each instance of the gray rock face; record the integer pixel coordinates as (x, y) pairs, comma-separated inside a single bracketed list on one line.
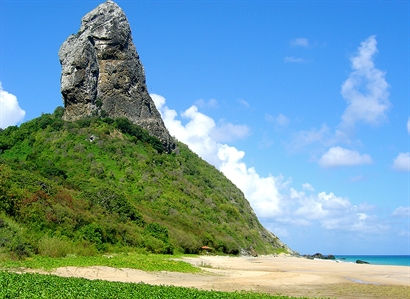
[(102, 73)]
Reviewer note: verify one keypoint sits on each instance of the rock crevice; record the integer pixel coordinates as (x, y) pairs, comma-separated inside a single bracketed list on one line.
[(102, 73)]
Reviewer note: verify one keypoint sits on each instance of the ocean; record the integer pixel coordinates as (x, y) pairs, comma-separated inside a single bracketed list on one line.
[(396, 260)]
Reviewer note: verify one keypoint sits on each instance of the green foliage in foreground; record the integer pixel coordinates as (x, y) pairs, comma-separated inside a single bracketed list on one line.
[(146, 262), (14, 285), (99, 185)]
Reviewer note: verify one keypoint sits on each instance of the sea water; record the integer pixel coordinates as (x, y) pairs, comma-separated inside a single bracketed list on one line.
[(396, 260)]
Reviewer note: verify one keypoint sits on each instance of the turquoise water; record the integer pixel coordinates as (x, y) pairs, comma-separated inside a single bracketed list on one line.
[(396, 260)]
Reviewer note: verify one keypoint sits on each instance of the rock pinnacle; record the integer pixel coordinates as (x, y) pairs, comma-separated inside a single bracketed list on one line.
[(102, 74)]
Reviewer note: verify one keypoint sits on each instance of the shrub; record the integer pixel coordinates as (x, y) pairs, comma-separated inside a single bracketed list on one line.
[(84, 122), (187, 243), (114, 202), (127, 127), (8, 138), (55, 247), (58, 112), (51, 170), (93, 233), (157, 231), (12, 238)]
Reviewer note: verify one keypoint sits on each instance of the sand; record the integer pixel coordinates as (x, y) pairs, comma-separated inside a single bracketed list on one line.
[(284, 275)]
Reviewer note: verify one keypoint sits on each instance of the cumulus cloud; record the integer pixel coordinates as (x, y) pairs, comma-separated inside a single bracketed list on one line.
[(262, 192), (10, 111), (339, 156), (330, 211), (366, 93), (300, 42), (402, 212), (308, 187), (293, 59), (366, 89), (227, 132), (402, 162), (273, 198)]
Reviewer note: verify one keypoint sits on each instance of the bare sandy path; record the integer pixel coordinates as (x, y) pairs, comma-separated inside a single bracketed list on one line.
[(273, 274)]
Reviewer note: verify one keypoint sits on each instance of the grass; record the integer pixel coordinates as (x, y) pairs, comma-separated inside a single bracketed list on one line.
[(145, 262), (14, 285), (368, 291)]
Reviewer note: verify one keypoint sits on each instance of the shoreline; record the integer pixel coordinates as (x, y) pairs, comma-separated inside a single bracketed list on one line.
[(339, 260), (383, 260)]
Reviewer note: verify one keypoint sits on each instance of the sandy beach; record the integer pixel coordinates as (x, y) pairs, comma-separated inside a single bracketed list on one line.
[(284, 275)]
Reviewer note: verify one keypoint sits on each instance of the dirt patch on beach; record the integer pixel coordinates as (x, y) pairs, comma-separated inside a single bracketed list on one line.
[(271, 274)]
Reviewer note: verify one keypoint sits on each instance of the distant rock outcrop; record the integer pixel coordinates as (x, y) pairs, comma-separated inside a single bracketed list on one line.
[(361, 262), (320, 256), (102, 73)]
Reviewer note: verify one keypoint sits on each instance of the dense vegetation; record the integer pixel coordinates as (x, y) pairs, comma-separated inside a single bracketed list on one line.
[(14, 285), (99, 184)]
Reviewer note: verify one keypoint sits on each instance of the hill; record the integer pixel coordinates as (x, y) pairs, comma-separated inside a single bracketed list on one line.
[(99, 184)]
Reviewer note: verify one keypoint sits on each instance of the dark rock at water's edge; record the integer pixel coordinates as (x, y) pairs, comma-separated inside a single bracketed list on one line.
[(361, 262), (320, 256), (102, 74)]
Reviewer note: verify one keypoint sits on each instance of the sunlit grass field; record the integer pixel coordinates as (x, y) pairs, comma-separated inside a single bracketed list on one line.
[(14, 285), (145, 262)]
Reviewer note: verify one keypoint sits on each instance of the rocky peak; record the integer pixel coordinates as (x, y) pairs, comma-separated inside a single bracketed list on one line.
[(102, 74)]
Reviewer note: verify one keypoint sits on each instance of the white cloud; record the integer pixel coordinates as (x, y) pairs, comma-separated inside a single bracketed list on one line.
[(272, 197), (309, 208), (408, 125), (305, 138), (279, 120), (308, 187), (293, 59), (402, 162), (159, 102), (300, 42), (227, 132), (330, 211), (402, 212), (365, 90), (211, 103), (262, 192), (10, 111), (366, 93), (339, 156)]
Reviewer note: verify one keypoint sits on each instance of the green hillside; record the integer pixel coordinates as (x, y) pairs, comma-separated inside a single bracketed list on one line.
[(100, 184)]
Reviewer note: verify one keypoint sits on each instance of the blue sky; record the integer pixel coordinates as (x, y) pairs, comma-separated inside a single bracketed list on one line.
[(305, 105)]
